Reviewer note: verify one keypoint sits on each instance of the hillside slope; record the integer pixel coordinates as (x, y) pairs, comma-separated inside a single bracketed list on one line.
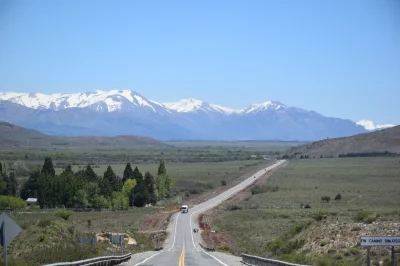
[(378, 141), (13, 136)]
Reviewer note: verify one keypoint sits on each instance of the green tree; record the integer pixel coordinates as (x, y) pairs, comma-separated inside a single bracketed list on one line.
[(128, 187), (11, 185), (29, 189), (48, 168), (151, 187), (168, 185), (141, 195), (119, 201), (100, 202), (128, 173), (68, 169), (81, 199), (90, 175), (162, 170), (1, 169), (110, 183), (92, 190), (160, 184)]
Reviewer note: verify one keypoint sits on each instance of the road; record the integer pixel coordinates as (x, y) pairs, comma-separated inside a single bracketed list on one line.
[(185, 249)]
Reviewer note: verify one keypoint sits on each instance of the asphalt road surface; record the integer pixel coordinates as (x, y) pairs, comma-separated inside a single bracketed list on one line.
[(185, 249)]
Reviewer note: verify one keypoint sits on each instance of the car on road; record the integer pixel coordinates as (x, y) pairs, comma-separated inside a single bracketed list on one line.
[(184, 209)]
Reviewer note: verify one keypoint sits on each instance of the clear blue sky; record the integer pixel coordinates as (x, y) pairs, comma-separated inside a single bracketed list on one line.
[(340, 58)]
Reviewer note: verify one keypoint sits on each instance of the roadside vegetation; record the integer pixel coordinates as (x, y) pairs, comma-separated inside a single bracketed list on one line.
[(313, 211), (95, 193)]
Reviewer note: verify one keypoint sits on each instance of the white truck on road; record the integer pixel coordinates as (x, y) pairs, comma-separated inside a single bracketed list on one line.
[(184, 209)]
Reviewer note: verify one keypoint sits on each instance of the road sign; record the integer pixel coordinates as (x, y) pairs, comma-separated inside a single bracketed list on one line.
[(379, 241), (9, 230), (12, 229), (85, 240), (117, 238)]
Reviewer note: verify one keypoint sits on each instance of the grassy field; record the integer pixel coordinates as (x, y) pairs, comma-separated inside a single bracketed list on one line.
[(269, 222), (204, 172)]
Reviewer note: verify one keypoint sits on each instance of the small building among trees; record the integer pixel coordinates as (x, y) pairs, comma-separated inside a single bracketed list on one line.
[(31, 201)]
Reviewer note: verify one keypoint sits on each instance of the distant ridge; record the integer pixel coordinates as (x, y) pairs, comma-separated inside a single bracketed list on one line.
[(13, 136), (385, 140)]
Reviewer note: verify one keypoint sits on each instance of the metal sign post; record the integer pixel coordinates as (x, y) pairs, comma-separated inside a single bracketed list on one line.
[(117, 239), (3, 240), (380, 241), (91, 240)]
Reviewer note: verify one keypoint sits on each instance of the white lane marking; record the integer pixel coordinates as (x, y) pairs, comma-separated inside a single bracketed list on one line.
[(228, 193), (215, 258), (191, 229), (149, 258), (176, 225)]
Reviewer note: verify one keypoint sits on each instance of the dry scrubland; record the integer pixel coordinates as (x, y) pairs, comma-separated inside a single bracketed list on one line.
[(48, 238), (273, 221), (197, 171)]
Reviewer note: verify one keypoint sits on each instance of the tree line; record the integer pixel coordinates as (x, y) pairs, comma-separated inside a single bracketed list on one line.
[(8, 183), (86, 189)]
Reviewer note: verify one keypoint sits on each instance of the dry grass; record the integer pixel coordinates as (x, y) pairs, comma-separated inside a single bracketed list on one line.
[(369, 184)]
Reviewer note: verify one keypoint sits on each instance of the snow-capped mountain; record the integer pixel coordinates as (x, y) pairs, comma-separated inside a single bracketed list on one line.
[(193, 105), (108, 101), (122, 112), (370, 125)]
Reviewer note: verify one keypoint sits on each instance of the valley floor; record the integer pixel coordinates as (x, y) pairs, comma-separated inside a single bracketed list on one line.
[(283, 216)]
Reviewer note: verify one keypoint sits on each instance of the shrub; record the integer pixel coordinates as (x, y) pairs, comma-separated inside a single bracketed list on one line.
[(318, 216), (307, 206), (326, 199), (45, 222), (360, 216), (338, 197), (11, 203), (223, 183), (233, 208), (42, 237), (65, 214)]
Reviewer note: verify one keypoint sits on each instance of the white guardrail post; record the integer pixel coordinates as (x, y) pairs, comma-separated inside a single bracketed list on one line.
[(99, 261), (259, 261)]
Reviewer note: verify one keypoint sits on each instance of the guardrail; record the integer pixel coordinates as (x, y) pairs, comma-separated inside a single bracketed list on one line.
[(99, 261), (259, 261)]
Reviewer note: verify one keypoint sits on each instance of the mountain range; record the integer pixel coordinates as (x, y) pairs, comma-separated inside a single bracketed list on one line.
[(126, 112)]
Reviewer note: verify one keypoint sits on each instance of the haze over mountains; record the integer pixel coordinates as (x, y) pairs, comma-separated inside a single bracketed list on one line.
[(126, 112)]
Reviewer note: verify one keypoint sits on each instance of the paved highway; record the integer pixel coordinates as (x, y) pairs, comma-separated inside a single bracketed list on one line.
[(185, 249)]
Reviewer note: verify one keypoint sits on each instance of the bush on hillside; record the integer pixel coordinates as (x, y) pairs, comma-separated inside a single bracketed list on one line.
[(11, 203), (65, 214)]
